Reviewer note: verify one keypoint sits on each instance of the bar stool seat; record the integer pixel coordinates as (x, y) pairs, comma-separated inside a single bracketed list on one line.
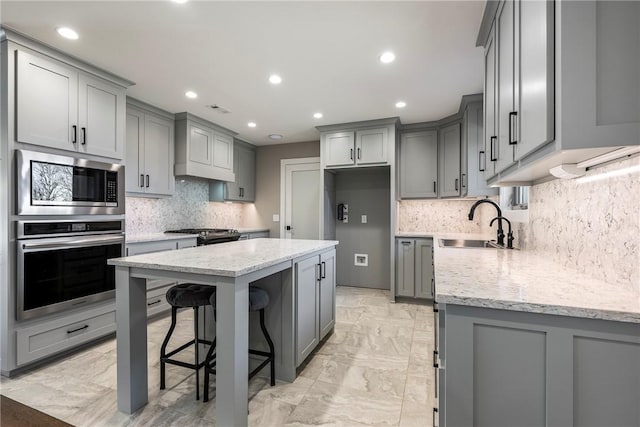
[(185, 295), (258, 301)]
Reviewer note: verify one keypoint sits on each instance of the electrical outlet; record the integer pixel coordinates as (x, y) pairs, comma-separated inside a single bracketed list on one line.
[(363, 219), (345, 219), (276, 218), (361, 260)]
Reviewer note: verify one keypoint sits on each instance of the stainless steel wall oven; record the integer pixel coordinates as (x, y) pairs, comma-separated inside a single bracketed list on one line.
[(63, 264), (49, 184)]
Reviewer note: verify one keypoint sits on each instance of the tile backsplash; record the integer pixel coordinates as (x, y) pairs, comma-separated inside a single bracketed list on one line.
[(189, 207), (591, 224), (443, 216)]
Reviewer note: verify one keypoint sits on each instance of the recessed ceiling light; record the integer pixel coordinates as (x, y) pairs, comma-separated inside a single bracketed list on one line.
[(387, 57), (317, 115), (401, 104), (67, 33), (191, 94), (180, 1), (275, 79), (275, 136), (251, 124)]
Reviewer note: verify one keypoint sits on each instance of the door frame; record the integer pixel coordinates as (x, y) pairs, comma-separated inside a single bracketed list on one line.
[(283, 190)]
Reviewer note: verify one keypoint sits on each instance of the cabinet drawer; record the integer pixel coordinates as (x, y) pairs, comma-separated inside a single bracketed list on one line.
[(37, 342), (149, 247)]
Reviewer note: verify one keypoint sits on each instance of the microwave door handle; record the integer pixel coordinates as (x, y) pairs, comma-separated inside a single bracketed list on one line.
[(93, 241)]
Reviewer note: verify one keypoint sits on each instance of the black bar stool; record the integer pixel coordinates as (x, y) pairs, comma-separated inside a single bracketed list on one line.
[(182, 296), (258, 301)]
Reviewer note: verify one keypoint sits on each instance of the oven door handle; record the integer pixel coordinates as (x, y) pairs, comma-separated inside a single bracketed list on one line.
[(86, 241)]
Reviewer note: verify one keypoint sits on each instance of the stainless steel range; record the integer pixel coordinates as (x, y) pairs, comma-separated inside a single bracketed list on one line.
[(210, 236)]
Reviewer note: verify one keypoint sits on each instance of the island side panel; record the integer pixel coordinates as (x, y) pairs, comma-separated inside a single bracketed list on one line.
[(131, 335), (232, 304)]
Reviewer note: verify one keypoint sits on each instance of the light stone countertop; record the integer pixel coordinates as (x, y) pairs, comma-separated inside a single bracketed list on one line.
[(231, 259), (155, 237), (524, 281)]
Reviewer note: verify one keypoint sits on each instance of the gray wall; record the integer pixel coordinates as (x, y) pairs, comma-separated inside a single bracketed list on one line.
[(367, 192), (268, 178)]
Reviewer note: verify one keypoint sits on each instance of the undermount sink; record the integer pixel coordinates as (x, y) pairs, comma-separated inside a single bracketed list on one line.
[(462, 243)]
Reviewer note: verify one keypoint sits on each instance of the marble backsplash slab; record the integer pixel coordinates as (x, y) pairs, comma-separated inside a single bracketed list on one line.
[(189, 207), (591, 224), (443, 216)]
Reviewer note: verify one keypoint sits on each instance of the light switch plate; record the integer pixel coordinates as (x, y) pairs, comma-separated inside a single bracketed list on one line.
[(363, 219), (276, 218)]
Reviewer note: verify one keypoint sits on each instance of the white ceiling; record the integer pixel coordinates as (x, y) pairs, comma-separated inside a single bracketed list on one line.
[(326, 52)]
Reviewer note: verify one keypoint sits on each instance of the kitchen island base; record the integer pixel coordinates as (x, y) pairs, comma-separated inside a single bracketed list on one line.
[(231, 268)]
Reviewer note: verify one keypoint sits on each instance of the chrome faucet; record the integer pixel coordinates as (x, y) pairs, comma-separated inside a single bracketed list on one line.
[(500, 240)]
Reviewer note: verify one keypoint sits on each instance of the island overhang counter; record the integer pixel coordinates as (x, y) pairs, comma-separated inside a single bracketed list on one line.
[(231, 268)]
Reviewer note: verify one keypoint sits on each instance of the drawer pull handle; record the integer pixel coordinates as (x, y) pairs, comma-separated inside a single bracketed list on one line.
[(435, 358), (78, 329), (154, 303)]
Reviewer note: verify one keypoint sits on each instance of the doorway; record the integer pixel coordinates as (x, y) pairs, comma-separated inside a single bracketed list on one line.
[(300, 198)]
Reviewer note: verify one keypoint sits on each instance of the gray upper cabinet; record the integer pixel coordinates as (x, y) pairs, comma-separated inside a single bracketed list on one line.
[(244, 167), (488, 155), (419, 164), (361, 144), (564, 83), (449, 170), (150, 150), (506, 83), (338, 149), (203, 149), (371, 146), (62, 107), (472, 181)]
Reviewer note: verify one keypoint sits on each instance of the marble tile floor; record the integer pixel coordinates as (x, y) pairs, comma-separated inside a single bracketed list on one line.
[(374, 370)]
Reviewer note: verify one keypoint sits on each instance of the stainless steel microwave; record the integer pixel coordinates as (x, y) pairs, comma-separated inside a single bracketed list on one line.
[(48, 184)]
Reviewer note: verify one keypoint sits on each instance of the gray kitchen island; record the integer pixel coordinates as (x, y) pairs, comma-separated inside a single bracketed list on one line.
[(230, 267)]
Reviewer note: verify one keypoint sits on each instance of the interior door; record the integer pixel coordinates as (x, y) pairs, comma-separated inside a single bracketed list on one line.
[(301, 199)]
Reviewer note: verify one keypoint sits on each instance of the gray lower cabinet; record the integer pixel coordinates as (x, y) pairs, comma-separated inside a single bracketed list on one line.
[(414, 268), (254, 235), (157, 288), (507, 368), (419, 164), (315, 284), (45, 339)]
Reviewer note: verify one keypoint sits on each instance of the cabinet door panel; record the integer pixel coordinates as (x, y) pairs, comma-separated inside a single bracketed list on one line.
[(232, 189), (47, 102), (307, 316), (339, 149), (223, 151), (100, 109), (327, 293), (248, 175), (405, 268), (449, 166), (505, 22), (158, 155), (424, 268), (485, 159), (371, 146), (419, 164), (135, 150), (536, 113), (200, 145)]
